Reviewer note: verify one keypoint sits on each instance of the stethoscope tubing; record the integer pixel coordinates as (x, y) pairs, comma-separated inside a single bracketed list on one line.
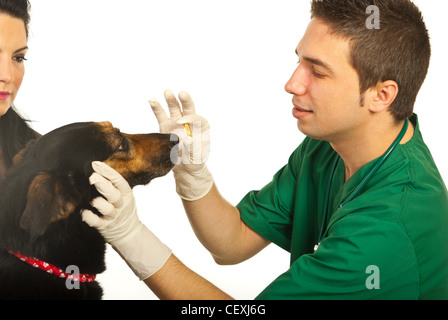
[(361, 185)]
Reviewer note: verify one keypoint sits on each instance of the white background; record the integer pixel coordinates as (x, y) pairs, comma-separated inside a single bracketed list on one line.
[(98, 60)]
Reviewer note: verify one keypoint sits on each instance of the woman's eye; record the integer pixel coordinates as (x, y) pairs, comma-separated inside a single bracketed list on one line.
[(20, 58)]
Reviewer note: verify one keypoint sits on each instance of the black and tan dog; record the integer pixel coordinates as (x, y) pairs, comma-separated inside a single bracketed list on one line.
[(46, 250)]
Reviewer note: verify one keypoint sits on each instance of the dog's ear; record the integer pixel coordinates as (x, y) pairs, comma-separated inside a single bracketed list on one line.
[(46, 203)]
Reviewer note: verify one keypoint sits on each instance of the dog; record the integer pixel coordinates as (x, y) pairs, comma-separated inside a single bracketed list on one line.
[(46, 250)]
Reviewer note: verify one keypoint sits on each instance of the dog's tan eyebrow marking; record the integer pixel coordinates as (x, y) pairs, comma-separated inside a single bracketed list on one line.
[(105, 124), (107, 127)]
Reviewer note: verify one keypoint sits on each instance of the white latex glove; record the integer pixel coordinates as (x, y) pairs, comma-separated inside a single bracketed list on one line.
[(120, 226), (193, 179)]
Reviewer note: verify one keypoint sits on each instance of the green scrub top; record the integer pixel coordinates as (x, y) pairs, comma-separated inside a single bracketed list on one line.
[(390, 242)]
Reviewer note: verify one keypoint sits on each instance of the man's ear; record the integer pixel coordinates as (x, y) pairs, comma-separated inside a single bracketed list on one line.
[(46, 203), (385, 94)]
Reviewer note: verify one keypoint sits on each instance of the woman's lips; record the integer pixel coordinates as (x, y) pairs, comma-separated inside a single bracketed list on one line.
[(4, 95)]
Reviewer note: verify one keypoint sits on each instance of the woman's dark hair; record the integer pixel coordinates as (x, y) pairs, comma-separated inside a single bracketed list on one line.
[(14, 135), (18, 9), (14, 130)]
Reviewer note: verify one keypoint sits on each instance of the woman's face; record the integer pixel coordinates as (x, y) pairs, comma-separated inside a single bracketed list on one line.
[(13, 47)]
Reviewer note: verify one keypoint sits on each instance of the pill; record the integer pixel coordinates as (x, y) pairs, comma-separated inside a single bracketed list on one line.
[(187, 129)]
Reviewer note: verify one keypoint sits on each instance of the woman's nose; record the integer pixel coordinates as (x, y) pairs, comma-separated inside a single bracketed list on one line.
[(6, 70)]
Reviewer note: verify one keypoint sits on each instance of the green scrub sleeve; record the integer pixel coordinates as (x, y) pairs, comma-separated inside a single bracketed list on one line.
[(268, 211), (359, 259)]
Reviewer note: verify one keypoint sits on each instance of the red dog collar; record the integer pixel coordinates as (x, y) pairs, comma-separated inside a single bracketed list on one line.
[(49, 268)]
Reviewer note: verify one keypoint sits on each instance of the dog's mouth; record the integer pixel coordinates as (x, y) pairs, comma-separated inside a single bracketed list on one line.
[(159, 168)]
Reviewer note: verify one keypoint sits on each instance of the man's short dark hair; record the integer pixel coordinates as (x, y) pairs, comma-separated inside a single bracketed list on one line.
[(398, 50)]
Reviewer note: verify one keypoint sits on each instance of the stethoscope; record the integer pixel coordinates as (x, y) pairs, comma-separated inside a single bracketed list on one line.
[(360, 186)]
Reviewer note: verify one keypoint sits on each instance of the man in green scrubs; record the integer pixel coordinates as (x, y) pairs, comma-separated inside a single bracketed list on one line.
[(352, 93), (390, 242)]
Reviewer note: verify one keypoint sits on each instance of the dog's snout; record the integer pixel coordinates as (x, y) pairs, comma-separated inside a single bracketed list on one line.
[(149, 156)]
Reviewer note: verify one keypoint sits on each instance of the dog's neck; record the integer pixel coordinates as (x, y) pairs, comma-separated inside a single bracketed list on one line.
[(69, 241), (69, 273)]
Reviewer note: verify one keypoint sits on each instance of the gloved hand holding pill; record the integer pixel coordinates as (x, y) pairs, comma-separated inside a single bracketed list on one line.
[(193, 180)]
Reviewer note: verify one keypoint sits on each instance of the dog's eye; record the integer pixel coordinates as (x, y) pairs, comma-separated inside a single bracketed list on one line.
[(124, 146)]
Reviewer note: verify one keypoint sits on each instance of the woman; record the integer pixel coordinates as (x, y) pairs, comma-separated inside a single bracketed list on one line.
[(14, 131)]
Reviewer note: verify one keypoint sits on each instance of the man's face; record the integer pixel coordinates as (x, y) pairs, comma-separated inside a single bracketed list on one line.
[(325, 87)]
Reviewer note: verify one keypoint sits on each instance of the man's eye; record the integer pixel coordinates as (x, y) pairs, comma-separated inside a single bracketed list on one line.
[(318, 75)]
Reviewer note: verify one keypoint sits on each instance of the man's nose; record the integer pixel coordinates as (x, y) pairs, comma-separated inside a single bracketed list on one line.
[(297, 83)]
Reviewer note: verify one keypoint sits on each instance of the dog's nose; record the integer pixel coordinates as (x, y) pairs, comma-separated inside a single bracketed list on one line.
[(174, 139), (174, 153)]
